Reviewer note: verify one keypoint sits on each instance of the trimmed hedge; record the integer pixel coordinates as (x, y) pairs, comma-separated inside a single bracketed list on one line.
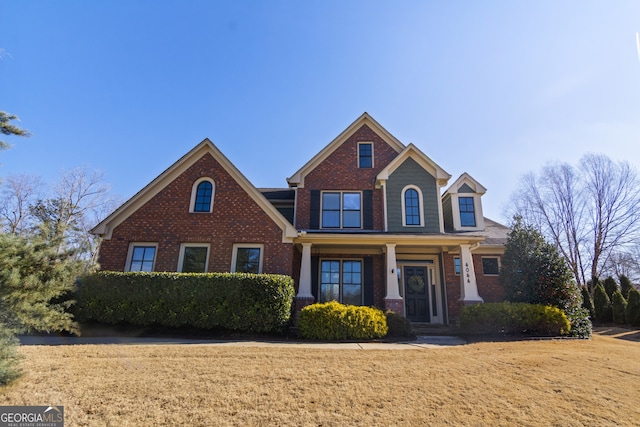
[(514, 318), (332, 321), (234, 301)]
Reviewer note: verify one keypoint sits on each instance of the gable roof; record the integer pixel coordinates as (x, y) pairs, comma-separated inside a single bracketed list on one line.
[(465, 178), (106, 226), (297, 179), (413, 152)]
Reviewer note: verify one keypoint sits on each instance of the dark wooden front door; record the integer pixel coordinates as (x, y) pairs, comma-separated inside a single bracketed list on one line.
[(416, 294)]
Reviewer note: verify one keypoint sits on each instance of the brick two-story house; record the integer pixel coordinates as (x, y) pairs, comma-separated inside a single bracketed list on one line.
[(366, 221)]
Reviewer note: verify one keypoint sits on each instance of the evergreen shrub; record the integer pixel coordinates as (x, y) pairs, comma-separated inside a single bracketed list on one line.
[(625, 286), (602, 304), (587, 302), (234, 301), (332, 321), (633, 307), (610, 286), (398, 325), (514, 318), (9, 357), (619, 307)]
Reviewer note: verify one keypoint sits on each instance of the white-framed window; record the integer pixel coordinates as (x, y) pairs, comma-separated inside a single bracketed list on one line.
[(194, 258), (141, 256), (467, 211), (412, 206), (247, 258), (341, 280), (491, 266), (341, 209), (202, 193), (456, 265), (365, 155)]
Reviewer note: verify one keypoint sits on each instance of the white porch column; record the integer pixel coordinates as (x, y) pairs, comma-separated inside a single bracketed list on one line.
[(304, 287), (468, 284), (393, 291)]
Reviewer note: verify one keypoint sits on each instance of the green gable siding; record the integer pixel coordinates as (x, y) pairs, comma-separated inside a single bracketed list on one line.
[(447, 212), (411, 173), (465, 189)]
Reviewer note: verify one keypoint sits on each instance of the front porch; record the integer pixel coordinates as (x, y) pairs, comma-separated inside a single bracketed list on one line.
[(406, 276)]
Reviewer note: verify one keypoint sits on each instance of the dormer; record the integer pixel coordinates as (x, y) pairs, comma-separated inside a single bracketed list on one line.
[(412, 184), (462, 205)]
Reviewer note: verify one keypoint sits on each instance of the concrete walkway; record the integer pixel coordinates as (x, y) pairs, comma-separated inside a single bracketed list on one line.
[(422, 342)]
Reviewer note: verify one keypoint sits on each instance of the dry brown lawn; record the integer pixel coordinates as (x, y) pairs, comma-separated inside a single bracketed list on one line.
[(537, 383)]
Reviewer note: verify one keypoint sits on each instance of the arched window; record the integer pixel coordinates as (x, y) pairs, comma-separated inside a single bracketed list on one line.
[(202, 196), (411, 206)]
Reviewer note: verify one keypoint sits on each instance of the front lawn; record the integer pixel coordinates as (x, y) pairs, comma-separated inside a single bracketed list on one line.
[(548, 382)]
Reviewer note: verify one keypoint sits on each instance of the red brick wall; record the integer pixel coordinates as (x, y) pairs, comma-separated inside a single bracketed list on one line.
[(489, 287), (339, 171), (236, 218)]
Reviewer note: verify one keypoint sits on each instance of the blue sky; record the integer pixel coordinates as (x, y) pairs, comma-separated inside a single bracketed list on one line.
[(492, 88)]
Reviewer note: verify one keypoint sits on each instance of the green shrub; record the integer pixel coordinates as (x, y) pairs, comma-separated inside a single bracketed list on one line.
[(398, 325), (610, 286), (619, 307), (602, 304), (587, 302), (9, 357), (514, 318), (625, 286), (334, 321), (581, 326), (633, 307), (235, 301)]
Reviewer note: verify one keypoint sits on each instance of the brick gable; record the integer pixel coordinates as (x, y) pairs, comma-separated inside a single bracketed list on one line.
[(166, 219), (339, 171)]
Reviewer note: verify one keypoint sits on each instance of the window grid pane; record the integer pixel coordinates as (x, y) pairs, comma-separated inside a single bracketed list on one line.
[(142, 258), (411, 207), (341, 281), (365, 155), (331, 210), (248, 260), (467, 212), (490, 266), (194, 260), (330, 281), (203, 197), (351, 210), (341, 210)]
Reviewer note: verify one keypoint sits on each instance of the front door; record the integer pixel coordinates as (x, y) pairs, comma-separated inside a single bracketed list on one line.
[(416, 294)]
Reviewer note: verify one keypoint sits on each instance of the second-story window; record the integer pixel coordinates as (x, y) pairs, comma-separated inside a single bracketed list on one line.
[(411, 207), (467, 212), (202, 196), (341, 209), (365, 155)]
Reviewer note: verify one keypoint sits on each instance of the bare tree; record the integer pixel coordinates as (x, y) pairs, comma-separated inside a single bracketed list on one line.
[(589, 212), (78, 200), (18, 193)]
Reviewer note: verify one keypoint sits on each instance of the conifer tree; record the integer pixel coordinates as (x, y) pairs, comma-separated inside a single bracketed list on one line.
[(610, 286), (633, 307), (34, 280), (602, 304), (625, 286), (619, 307), (587, 302)]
